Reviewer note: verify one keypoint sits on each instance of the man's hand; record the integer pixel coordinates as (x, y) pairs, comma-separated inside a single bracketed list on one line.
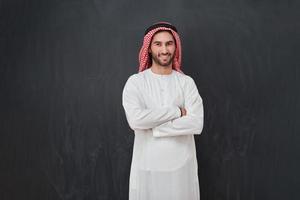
[(183, 111)]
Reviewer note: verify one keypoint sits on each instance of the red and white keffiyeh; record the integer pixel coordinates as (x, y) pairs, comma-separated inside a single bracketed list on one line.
[(144, 58)]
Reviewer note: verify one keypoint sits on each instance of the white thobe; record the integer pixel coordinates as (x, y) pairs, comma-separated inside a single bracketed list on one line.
[(164, 164)]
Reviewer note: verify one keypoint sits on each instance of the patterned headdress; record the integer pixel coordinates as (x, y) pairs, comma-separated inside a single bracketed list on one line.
[(144, 57)]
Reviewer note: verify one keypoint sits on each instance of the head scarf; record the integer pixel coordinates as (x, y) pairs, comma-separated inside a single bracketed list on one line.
[(144, 58)]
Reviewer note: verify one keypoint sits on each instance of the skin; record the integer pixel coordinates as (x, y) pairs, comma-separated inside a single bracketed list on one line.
[(162, 49)]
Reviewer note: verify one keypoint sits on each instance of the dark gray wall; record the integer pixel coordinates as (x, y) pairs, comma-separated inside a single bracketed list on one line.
[(63, 66)]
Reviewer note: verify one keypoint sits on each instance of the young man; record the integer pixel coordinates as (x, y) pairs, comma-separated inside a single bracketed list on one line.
[(163, 107)]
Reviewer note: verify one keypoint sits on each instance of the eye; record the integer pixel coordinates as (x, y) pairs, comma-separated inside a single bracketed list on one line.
[(170, 43)]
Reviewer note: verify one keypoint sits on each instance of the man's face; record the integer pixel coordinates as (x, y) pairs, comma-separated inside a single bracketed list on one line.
[(162, 48)]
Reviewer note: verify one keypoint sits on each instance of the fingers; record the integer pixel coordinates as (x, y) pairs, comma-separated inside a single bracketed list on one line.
[(183, 111)]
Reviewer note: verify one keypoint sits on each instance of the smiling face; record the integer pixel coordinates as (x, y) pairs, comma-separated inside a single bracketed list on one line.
[(162, 49)]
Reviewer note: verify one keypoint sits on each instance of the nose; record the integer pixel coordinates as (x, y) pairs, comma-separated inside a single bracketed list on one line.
[(164, 49)]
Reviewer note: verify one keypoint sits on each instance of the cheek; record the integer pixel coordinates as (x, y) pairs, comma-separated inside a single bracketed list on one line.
[(152, 50), (173, 49)]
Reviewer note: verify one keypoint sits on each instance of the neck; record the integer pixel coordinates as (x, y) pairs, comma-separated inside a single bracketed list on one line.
[(163, 70)]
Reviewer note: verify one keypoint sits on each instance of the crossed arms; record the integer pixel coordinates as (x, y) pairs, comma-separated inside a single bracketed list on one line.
[(164, 121)]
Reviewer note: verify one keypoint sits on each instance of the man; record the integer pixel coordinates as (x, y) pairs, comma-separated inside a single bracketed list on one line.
[(163, 107)]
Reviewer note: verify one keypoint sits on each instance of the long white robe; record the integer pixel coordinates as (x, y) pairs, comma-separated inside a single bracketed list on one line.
[(164, 164)]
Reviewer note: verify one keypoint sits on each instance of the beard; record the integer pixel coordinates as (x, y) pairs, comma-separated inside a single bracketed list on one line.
[(158, 60)]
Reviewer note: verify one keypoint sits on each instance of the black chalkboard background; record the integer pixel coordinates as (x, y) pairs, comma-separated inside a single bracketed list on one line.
[(63, 65)]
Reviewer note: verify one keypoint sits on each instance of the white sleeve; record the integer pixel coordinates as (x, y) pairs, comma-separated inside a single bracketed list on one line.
[(192, 123), (139, 117)]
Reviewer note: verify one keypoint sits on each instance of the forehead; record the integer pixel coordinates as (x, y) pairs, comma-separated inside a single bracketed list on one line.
[(163, 36)]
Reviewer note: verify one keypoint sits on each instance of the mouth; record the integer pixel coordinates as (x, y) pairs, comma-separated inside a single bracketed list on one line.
[(165, 56)]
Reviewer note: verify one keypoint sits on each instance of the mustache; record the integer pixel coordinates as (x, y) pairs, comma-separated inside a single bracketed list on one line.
[(164, 54)]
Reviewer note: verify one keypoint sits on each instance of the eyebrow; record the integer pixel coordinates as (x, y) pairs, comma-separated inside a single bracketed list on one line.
[(170, 41)]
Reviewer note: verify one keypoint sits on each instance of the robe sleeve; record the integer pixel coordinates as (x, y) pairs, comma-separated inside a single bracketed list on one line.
[(192, 123), (137, 115)]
